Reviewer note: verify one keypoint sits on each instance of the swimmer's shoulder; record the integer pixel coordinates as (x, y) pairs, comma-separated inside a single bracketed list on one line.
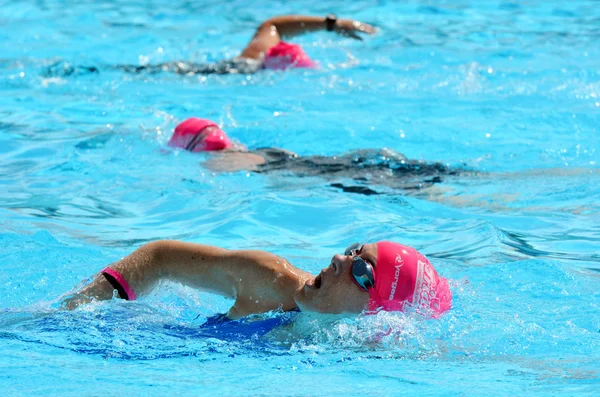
[(263, 265), (264, 282), (273, 153), (275, 158)]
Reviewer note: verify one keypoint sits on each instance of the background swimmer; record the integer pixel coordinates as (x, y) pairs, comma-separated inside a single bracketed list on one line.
[(379, 276), (266, 50), (367, 166), (365, 169)]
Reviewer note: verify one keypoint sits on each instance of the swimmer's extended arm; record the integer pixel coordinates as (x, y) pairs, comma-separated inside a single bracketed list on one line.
[(270, 32), (258, 281)]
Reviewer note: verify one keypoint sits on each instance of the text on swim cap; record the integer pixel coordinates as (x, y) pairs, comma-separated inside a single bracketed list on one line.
[(399, 263), (425, 285)]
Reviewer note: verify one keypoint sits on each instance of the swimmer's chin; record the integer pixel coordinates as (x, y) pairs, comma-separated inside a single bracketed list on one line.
[(307, 291)]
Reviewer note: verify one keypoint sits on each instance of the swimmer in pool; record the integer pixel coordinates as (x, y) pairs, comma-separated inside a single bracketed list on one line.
[(365, 168), (266, 50), (370, 277)]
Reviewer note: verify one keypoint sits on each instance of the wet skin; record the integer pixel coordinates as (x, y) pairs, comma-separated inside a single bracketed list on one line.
[(258, 281), (333, 290)]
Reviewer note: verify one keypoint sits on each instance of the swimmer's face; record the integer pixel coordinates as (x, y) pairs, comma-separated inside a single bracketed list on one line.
[(333, 290)]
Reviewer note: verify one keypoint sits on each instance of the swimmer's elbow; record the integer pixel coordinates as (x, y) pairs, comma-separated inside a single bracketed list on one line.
[(282, 20), (277, 27), (275, 21), (268, 24)]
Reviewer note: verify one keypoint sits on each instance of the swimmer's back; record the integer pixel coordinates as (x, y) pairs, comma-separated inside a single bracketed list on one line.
[(256, 326), (229, 66), (386, 161)]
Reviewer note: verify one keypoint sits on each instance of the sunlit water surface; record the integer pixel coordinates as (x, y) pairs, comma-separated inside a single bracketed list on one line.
[(509, 90)]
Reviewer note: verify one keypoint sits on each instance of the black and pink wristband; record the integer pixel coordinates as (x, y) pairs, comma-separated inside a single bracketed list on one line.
[(119, 283)]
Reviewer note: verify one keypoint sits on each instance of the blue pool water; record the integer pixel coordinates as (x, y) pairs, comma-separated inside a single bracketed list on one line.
[(509, 90)]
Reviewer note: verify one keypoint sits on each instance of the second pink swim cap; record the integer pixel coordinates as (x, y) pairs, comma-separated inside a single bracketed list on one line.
[(199, 135), (404, 279), (285, 55)]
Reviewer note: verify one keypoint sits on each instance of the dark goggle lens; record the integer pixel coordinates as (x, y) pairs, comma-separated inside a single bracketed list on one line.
[(353, 249), (362, 271)]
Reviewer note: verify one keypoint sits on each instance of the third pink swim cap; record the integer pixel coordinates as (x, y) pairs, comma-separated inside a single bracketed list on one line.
[(405, 279), (198, 135), (285, 55)]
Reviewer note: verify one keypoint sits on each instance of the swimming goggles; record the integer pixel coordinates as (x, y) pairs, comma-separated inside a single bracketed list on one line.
[(199, 137), (362, 271)]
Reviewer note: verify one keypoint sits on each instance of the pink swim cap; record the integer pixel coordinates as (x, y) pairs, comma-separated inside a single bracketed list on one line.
[(199, 135), (285, 55), (405, 279)]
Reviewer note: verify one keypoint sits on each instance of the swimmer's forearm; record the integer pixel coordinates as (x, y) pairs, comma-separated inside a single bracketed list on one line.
[(141, 269), (172, 260), (270, 32), (293, 25), (201, 266)]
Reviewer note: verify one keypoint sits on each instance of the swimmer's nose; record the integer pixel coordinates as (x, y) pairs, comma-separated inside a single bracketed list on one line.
[(338, 262)]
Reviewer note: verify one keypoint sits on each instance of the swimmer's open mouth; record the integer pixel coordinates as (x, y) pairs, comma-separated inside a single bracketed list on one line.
[(317, 282)]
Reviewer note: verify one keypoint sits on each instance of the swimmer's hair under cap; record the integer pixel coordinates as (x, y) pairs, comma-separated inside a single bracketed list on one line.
[(286, 55), (406, 280), (199, 135)]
